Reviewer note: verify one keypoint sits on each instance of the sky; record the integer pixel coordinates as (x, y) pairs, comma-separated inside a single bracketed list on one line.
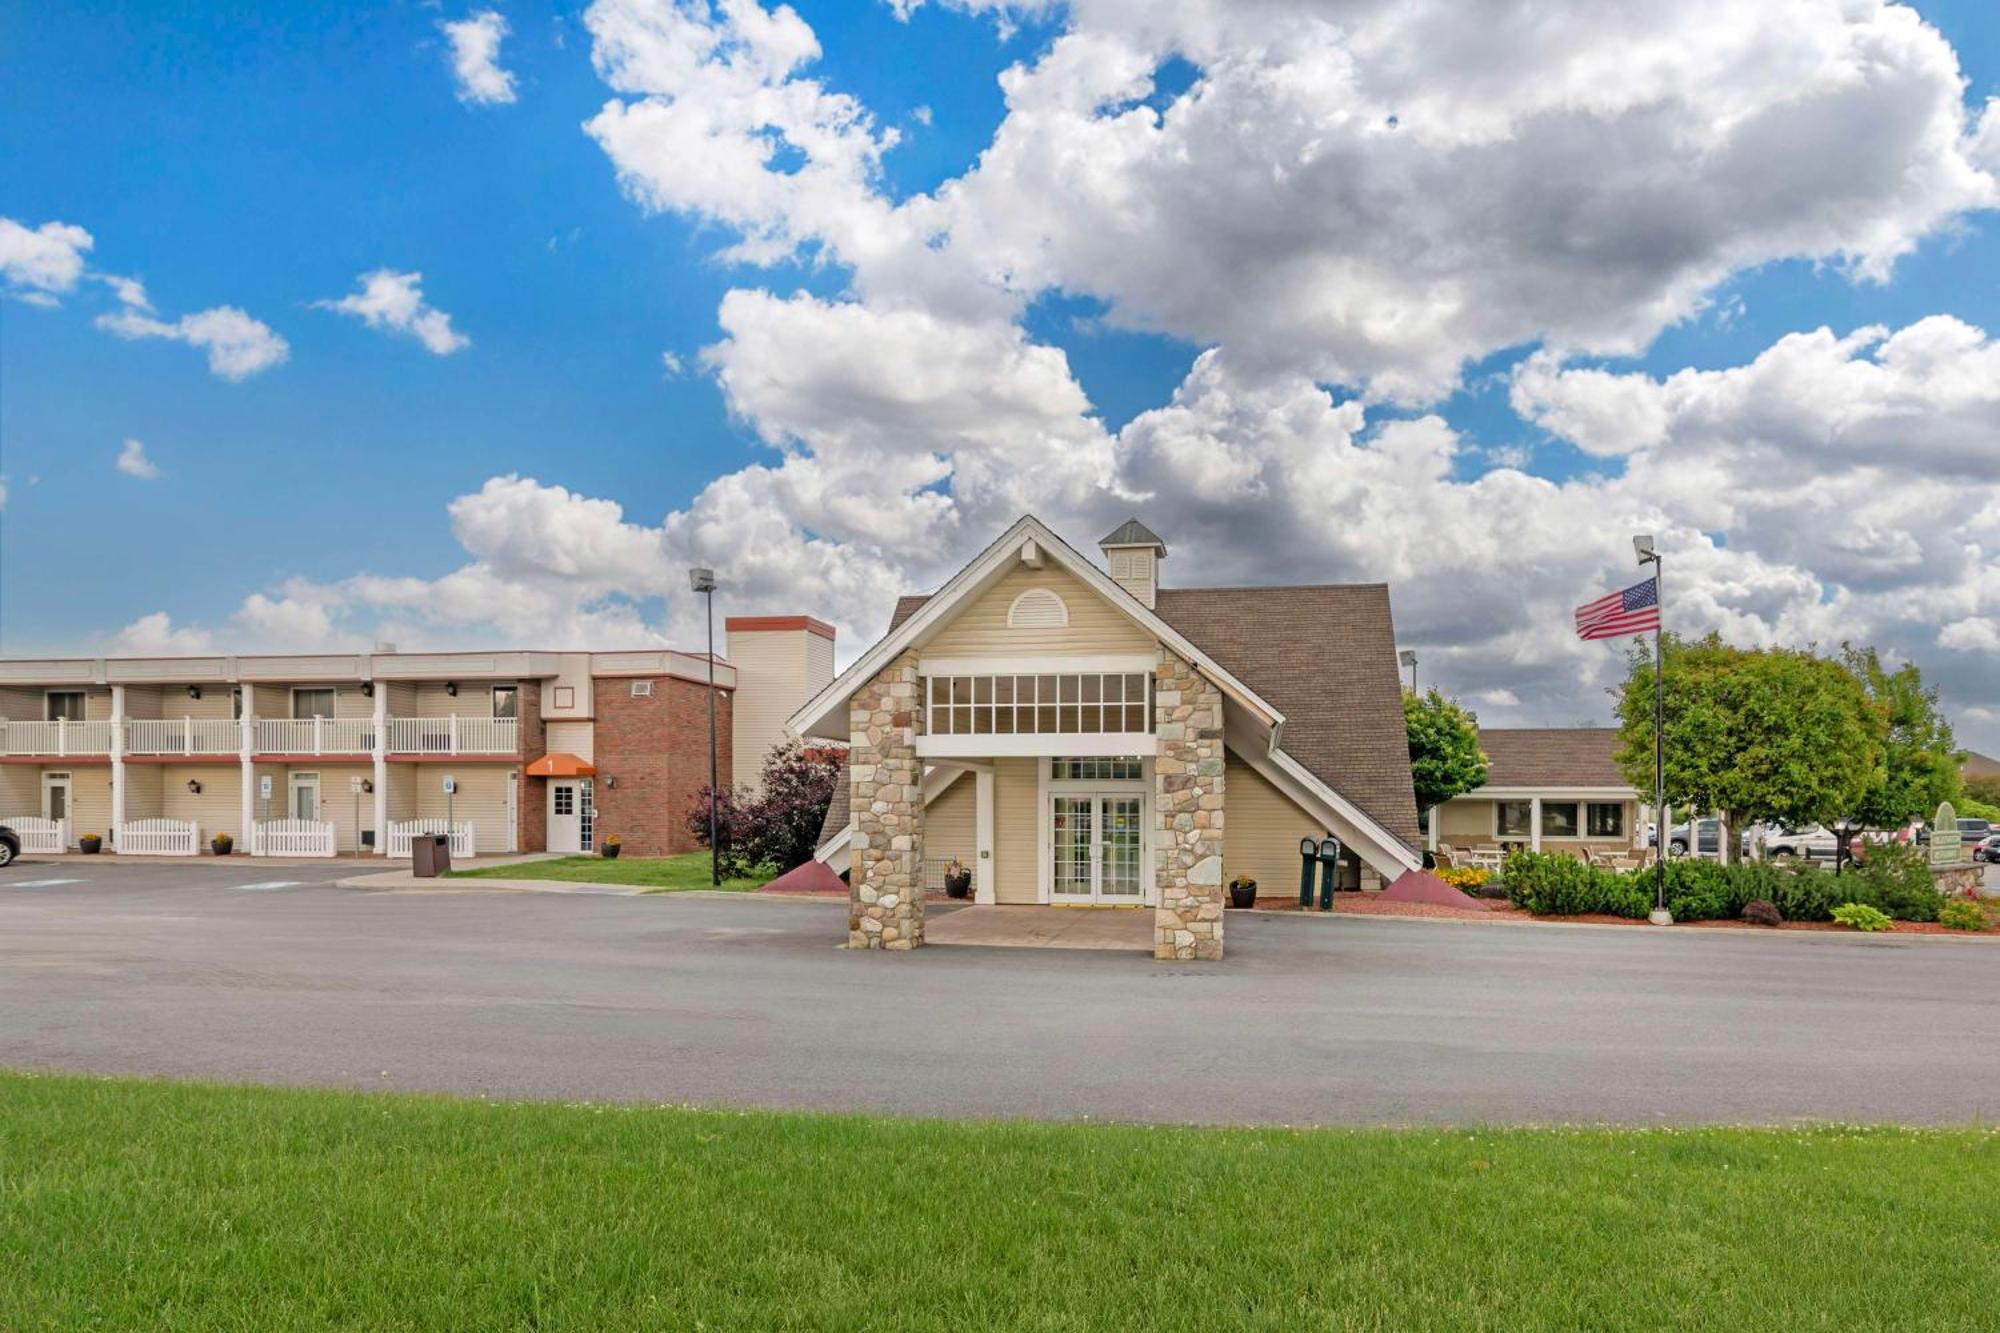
[(477, 324)]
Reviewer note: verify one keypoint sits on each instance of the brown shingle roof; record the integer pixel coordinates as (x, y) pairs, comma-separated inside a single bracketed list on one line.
[(839, 809), (1551, 757), (1325, 657)]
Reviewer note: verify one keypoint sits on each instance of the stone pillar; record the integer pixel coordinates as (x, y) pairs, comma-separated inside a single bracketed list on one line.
[(885, 881), (1187, 805)]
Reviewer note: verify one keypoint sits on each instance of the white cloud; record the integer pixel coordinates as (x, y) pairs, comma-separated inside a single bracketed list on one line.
[(237, 345), (475, 58), (155, 635), (132, 461), (394, 302), (671, 365), (40, 264)]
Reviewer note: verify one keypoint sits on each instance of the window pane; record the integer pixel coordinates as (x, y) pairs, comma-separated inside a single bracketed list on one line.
[(1559, 819), (1003, 721), (982, 719), (1607, 819), (961, 690), (1093, 716), (1135, 689), (961, 720), (982, 689), (1069, 687), (1135, 717), (1045, 689), (1092, 686), (1512, 819), (1003, 689), (312, 703), (506, 701), (1045, 719)]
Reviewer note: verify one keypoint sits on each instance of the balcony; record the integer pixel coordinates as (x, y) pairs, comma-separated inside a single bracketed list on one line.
[(57, 740), (197, 737)]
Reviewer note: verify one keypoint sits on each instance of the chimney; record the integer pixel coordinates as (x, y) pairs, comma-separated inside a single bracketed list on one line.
[(1133, 554), (780, 661)]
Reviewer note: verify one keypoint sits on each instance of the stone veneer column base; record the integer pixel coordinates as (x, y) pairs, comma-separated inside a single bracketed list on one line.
[(1187, 805), (885, 906)]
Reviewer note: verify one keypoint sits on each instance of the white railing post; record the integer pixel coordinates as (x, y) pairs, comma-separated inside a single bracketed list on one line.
[(454, 733), (319, 734), (62, 738), (187, 735)]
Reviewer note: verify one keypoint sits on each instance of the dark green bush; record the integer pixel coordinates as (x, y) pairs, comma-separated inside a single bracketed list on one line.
[(1895, 882)]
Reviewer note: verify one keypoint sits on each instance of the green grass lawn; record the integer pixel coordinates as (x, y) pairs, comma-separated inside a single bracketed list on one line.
[(662, 873), (141, 1205)]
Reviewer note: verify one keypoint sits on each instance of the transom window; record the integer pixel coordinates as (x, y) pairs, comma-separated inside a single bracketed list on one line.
[(1077, 703), (1097, 768)]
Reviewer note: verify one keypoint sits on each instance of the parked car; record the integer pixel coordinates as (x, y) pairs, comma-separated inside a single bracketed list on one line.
[(1812, 842), (1974, 831), (10, 846), (1710, 836), (1987, 849)]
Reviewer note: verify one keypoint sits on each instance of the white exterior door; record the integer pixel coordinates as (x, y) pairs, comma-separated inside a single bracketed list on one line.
[(55, 796), (1097, 848), (305, 796), (566, 815)]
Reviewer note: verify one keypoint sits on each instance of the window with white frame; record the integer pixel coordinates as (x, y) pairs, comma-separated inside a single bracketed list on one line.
[(312, 703), (1071, 703), (65, 705), (1605, 819), (1512, 819), (1559, 819), (506, 701), (1097, 768)]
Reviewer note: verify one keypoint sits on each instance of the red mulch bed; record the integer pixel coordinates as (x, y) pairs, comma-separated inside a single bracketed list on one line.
[(813, 880)]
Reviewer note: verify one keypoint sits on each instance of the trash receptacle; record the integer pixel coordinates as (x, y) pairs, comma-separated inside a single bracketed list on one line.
[(430, 855)]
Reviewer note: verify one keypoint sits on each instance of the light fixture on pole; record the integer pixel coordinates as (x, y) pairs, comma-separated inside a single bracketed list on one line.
[(1649, 554), (1408, 657), (703, 581)]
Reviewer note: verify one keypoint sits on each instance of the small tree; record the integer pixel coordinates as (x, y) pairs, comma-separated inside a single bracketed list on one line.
[(1919, 768), (780, 827), (1445, 758), (1752, 734)]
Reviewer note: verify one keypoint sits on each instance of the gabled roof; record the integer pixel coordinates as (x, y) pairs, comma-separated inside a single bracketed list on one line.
[(1978, 766), (984, 570), (1325, 656), (1551, 757), (1134, 533)]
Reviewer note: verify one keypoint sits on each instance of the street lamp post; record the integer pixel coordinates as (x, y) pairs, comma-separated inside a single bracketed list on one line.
[(1648, 553), (1408, 657), (703, 581)]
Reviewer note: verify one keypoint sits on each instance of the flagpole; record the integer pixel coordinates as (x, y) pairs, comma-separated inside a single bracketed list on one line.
[(1660, 916)]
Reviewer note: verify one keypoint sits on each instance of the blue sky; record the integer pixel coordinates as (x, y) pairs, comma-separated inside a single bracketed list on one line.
[(265, 157)]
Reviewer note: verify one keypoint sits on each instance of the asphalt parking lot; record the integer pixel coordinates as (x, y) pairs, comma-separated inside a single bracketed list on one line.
[(270, 974)]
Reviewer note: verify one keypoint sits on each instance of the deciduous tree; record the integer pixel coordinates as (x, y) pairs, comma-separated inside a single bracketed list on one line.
[(1919, 767), (1445, 758)]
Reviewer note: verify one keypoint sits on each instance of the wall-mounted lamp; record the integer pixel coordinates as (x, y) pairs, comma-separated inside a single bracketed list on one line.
[(368, 689), (367, 784), (451, 688), (610, 781), (194, 691), (194, 788)]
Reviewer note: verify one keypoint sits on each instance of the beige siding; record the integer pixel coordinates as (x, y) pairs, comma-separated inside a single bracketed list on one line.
[(279, 804), (1261, 829), (481, 798), (336, 799), (90, 792), (474, 699), (775, 673), (97, 705), (144, 700), (1095, 626), (572, 738), (1016, 830), (20, 791), (145, 792), (18, 703), (950, 823), (173, 701), (402, 791), (217, 808), (402, 700)]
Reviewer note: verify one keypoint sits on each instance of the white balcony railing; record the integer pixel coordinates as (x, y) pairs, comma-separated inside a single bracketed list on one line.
[(183, 735), (56, 739), (315, 735), (273, 735), (454, 735)]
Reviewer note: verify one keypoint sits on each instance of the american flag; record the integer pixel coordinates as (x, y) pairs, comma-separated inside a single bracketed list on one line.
[(1633, 611)]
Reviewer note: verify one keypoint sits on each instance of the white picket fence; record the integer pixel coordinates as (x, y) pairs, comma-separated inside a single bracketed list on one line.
[(291, 837), (47, 836), (400, 833), (159, 837)]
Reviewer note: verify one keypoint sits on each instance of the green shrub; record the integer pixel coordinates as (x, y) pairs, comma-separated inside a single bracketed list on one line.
[(1552, 885), (1896, 879), (1861, 916), (1962, 914)]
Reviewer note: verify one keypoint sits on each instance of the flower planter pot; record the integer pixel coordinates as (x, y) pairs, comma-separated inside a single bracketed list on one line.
[(90, 846), (958, 886), (222, 846), (610, 851), (1243, 895)]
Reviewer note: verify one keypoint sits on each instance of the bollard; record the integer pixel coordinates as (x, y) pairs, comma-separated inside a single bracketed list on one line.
[(1308, 853), (1329, 870)]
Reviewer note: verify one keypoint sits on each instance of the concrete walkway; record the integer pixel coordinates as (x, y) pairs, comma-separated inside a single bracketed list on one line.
[(1041, 927)]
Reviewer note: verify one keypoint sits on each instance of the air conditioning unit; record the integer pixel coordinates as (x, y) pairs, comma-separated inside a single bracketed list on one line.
[(642, 689)]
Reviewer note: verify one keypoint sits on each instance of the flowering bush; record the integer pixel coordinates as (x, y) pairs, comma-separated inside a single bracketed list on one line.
[(1464, 877)]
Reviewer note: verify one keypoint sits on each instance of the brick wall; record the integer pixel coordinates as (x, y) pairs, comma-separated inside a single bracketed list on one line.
[(533, 814), (651, 755)]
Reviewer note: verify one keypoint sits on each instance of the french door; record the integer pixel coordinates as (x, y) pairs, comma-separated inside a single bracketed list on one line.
[(1097, 842)]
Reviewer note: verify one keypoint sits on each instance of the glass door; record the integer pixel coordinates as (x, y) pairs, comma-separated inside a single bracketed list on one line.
[(1097, 844)]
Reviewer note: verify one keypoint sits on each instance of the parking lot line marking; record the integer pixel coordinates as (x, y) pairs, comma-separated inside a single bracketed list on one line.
[(271, 884), (45, 883)]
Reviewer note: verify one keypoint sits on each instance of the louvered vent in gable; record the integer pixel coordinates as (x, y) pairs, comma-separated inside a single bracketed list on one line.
[(1037, 608)]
